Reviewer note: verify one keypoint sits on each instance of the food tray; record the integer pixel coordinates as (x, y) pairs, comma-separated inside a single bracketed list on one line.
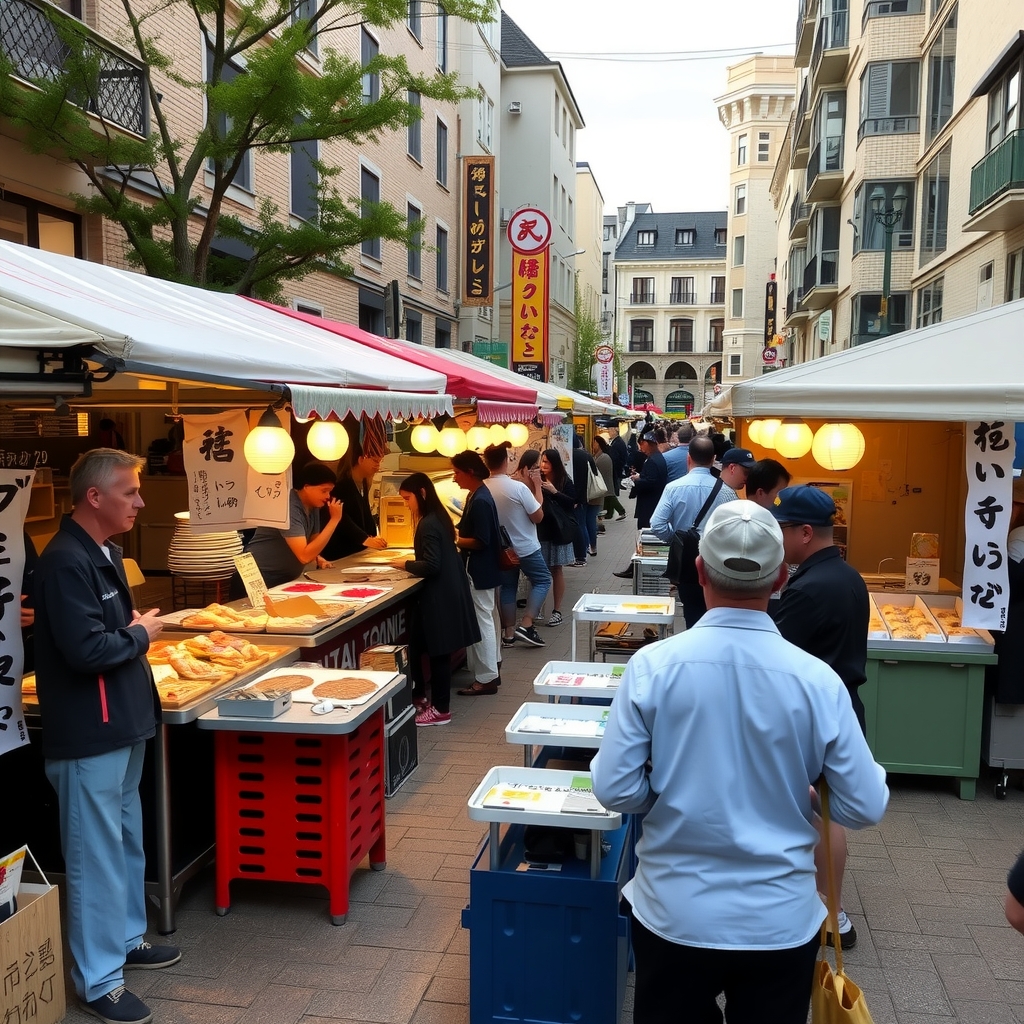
[(976, 638), (301, 627), (323, 675), (187, 691), (934, 635), (331, 591), (876, 634), (175, 621)]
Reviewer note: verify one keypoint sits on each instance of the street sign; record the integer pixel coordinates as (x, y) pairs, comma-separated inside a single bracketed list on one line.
[(769, 355), (604, 354), (529, 230)]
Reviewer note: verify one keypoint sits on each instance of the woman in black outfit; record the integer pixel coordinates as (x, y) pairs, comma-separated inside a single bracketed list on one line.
[(558, 489), (357, 529), (443, 619)]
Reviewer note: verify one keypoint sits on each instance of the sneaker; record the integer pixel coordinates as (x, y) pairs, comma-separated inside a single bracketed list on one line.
[(621, 519), (555, 619), (847, 933), (420, 704), (119, 1007), (151, 958), (431, 716), (508, 641), (530, 635), (592, 552), (579, 562)]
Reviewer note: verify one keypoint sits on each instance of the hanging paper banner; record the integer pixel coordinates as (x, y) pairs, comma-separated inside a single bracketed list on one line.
[(478, 230), (986, 592), (15, 490)]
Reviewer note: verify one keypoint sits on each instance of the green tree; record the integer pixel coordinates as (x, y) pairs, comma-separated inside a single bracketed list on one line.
[(151, 187), (588, 337)]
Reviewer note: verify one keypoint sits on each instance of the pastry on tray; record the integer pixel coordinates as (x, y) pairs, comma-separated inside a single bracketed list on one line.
[(220, 616), (344, 688), (284, 683)]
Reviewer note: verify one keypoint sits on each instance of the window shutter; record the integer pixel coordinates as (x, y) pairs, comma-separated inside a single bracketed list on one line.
[(878, 90)]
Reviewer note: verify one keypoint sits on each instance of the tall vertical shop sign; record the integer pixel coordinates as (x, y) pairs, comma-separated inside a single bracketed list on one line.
[(478, 230), (529, 234)]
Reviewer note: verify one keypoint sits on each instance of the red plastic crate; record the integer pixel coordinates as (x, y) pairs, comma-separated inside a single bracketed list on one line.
[(300, 808)]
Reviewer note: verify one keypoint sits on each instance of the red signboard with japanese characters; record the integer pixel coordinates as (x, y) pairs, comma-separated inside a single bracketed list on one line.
[(478, 230), (529, 232)]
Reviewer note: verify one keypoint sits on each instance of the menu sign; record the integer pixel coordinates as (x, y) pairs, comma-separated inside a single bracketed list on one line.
[(529, 234), (15, 488), (252, 579), (986, 592), (478, 230)]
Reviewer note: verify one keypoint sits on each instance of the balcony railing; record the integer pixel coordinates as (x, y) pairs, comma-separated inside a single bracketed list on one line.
[(794, 301), (889, 126), (822, 270), (804, 30), (636, 345), (680, 344), (798, 213), (891, 8), (641, 298), (717, 297), (682, 298), (833, 34), (998, 171), (715, 344), (826, 156), (30, 40)]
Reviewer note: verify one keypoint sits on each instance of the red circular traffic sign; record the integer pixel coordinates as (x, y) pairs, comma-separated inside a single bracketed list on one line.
[(529, 230), (604, 354)]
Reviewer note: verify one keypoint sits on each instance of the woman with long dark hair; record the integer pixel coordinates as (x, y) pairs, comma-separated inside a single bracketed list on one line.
[(443, 620), (557, 552), (606, 467)]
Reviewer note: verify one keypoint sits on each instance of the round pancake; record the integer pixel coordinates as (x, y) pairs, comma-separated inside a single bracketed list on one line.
[(344, 688), (289, 683)]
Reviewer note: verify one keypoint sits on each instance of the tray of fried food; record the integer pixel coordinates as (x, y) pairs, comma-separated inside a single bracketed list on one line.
[(950, 622), (909, 621), (176, 692), (305, 624), (219, 616)]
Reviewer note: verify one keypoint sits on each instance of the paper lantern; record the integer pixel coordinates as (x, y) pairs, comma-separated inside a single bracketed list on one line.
[(452, 439), (754, 431), (766, 435), (478, 438), (793, 439), (424, 437), (327, 440), (498, 434), (517, 434), (838, 446), (268, 447)]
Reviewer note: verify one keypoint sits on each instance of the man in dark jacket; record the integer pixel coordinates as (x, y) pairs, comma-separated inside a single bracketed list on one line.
[(620, 457), (99, 706), (649, 483)]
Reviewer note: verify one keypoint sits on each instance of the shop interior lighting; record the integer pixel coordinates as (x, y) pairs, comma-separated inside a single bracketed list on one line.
[(268, 447), (793, 438), (517, 434), (838, 446), (767, 434), (498, 434), (478, 438), (452, 439), (327, 440), (754, 431), (424, 437)]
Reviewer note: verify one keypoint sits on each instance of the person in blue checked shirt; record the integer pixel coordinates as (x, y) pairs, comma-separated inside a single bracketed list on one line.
[(718, 735)]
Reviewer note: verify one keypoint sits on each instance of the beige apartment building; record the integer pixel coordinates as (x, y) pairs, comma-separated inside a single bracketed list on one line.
[(589, 230), (416, 170), (906, 139), (755, 110)]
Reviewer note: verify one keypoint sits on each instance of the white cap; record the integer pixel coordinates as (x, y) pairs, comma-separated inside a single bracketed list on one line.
[(742, 541)]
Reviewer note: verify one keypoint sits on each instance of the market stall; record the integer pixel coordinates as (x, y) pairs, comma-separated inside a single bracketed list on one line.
[(924, 413)]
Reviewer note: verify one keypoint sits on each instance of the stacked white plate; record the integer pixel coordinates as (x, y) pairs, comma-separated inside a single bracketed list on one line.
[(207, 556)]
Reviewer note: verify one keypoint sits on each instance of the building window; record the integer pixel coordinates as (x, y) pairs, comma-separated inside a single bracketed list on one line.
[(442, 333), (986, 278), (717, 291), (716, 332), (741, 150), (738, 250), (558, 107), (889, 102), (304, 11), (892, 8), (682, 292), (415, 133), (641, 336), (224, 124), (413, 326), (40, 226), (935, 205), (822, 267), (608, 232), (941, 68), (737, 303), (570, 226), (764, 145), (305, 178), (413, 214), (680, 335), (1004, 106), (721, 234), (735, 364), (370, 193), (929, 303), (686, 236), (645, 237), (368, 50), (605, 260), (442, 39), (415, 18), (484, 119), (441, 245), (867, 232), (442, 153), (741, 200), (1014, 274), (643, 290), (867, 315)]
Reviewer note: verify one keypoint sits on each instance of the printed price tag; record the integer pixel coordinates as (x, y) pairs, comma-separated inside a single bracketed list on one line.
[(255, 587)]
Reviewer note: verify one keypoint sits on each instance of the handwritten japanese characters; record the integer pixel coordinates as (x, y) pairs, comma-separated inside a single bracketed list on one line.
[(478, 230), (15, 489), (990, 451)]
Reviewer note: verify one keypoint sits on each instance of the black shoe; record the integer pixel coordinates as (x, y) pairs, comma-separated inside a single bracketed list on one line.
[(530, 635), (602, 529), (119, 1007), (626, 574), (848, 939), (621, 519), (508, 641), (151, 958)]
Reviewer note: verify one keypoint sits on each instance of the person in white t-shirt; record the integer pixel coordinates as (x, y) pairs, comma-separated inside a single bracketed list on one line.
[(519, 511)]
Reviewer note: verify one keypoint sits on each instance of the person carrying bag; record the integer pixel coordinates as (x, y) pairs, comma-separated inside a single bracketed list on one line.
[(685, 546)]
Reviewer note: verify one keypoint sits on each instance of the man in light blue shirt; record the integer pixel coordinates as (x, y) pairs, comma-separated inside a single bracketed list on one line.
[(676, 455), (718, 735)]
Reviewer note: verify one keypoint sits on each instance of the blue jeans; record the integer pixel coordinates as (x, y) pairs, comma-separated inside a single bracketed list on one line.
[(101, 839), (535, 569), (591, 515)]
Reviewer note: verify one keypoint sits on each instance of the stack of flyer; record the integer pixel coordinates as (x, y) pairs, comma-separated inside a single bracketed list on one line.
[(577, 798), (612, 679)]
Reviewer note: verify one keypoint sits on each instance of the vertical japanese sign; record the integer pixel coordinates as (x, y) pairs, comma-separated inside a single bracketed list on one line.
[(15, 488), (529, 233), (224, 492), (990, 449), (604, 371), (771, 298), (478, 230)]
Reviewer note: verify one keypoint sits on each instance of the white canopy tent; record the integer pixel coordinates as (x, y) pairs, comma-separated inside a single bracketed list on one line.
[(142, 325), (971, 368)]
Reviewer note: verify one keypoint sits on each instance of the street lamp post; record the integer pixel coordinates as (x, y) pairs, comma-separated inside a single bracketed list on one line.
[(888, 216)]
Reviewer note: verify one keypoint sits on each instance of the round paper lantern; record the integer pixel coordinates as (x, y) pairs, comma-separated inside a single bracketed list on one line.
[(327, 440), (793, 439), (452, 440), (268, 447), (838, 446), (424, 437), (766, 436), (517, 434), (754, 431), (478, 438), (498, 434)]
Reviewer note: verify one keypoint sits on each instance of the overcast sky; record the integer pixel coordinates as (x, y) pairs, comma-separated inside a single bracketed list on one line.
[(652, 129)]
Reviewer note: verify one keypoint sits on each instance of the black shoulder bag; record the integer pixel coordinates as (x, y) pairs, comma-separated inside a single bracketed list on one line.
[(685, 545)]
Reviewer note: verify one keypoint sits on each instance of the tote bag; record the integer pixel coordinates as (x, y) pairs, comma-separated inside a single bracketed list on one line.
[(596, 489)]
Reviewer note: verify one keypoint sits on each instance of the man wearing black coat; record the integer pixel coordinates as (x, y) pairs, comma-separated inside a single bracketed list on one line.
[(649, 483)]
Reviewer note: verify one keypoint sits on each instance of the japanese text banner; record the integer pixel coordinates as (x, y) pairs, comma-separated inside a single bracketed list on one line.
[(530, 314), (990, 449), (478, 230), (15, 489)]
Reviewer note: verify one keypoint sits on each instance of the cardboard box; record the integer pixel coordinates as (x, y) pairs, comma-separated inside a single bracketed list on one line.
[(400, 752), (31, 956)]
